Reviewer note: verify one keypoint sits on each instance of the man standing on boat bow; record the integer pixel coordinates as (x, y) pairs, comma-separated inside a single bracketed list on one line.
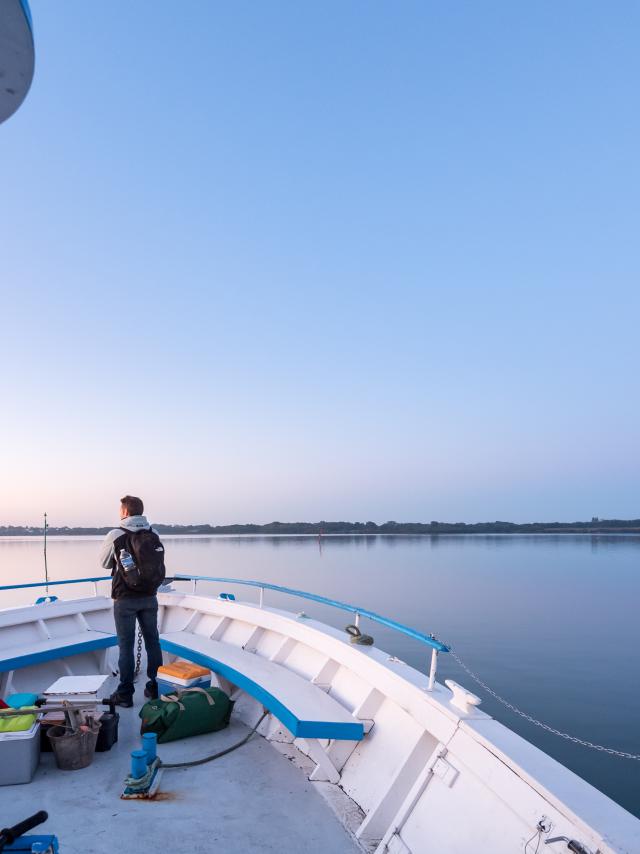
[(134, 554)]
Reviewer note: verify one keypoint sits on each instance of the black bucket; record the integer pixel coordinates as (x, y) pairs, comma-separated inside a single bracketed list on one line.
[(45, 744), (108, 734)]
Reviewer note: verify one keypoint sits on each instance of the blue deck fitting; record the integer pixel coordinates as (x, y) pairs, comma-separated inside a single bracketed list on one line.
[(150, 746), (138, 763), (34, 845)]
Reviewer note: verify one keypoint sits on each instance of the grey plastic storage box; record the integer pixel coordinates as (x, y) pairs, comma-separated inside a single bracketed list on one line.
[(19, 756)]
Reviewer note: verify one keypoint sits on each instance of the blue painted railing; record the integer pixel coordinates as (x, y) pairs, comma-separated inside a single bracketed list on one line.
[(54, 583), (429, 640), (436, 645)]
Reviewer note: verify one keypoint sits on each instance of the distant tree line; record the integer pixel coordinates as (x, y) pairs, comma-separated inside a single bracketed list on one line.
[(594, 526)]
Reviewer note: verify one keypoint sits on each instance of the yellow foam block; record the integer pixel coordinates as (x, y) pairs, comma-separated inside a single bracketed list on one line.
[(183, 670), (17, 723)]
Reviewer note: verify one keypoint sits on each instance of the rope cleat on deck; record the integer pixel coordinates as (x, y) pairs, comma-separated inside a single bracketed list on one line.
[(144, 779), (357, 637)]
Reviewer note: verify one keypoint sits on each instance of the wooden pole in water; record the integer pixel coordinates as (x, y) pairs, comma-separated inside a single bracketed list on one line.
[(46, 570)]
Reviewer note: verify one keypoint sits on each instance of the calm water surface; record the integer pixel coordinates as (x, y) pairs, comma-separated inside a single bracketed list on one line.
[(549, 621)]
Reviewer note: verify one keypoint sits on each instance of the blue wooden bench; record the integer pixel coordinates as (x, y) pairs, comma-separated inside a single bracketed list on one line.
[(305, 709), (35, 635), (27, 655), (18, 656)]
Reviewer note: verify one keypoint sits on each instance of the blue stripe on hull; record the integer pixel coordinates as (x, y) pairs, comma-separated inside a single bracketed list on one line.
[(19, 661)]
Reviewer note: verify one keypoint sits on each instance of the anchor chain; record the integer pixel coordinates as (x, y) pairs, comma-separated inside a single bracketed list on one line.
[(138, 653), (610, 750)]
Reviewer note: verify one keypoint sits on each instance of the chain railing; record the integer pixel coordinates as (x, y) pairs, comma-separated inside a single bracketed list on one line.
[(621, 754), (136, 672), (436, 645)]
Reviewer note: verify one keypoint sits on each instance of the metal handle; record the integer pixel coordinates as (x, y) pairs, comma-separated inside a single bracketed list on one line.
[(572, 844), (10, 834)]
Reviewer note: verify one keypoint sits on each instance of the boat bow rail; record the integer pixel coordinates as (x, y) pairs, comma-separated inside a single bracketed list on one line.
[(408, 760), (430, 641)]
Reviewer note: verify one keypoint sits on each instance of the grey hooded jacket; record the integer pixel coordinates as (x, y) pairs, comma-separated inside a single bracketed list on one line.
[(130, 523), (116, 539)]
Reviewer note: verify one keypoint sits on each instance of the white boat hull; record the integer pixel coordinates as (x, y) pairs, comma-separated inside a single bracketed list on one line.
[(426, 777)]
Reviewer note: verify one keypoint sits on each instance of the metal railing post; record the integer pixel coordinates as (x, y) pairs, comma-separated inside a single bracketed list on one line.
[(432, 669), (357, 620), (195, 585), (262, 597), (95, 588)]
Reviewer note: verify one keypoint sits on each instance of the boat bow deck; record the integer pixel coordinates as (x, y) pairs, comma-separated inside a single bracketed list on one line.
[(250, 800)]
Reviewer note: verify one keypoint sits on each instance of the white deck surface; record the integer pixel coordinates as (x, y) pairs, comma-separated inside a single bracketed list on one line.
[(254, 799)]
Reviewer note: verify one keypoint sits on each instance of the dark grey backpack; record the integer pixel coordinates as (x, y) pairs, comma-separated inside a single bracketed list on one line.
[(148, 553)]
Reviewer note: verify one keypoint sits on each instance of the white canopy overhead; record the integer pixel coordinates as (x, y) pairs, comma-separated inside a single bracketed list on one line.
[(16, 55)]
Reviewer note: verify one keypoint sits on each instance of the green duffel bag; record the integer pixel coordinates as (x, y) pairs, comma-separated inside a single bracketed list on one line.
[(192, 711)]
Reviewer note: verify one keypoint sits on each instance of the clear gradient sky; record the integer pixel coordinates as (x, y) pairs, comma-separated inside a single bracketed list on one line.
[(339, 260)]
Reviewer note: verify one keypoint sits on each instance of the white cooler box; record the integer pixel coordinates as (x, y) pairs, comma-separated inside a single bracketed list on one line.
[(19, 756), (181, 675)]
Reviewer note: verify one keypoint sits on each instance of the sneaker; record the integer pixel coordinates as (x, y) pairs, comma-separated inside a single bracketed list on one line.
[(151, 692), (121, 700)]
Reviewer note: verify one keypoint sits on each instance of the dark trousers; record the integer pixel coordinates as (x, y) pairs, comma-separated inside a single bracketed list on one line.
[(126, 611)]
